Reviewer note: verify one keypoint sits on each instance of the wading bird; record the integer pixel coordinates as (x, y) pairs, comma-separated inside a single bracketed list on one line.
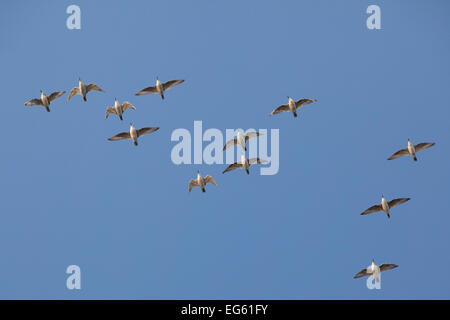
[(201, 182), (385, 206), (133, 134), (159, 87), (374, 270), (118, 108), (44, 100), (83, 90), (411, 150), (292, 106), (241, 139), (244, 164)]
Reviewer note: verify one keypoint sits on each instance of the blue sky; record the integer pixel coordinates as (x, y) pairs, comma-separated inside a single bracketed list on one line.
[(123, 213)]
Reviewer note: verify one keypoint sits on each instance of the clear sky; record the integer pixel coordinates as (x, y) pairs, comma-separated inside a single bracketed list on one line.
[(123, 213)]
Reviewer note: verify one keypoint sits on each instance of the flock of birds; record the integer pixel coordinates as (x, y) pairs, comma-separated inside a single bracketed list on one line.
[(240, 140)]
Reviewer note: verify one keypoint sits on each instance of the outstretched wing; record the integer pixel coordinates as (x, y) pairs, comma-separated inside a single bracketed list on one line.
[(209, 179), (233, 166), (387, 266), (399, 153), (193, 183), (360, 274), (127, 105), (147, 90), (93, 86), (254, 161), (55, 95), (146, 130), (282, 108), (251, 135), (304, 102), (171, 83), (396, 202), (230, 143), (74, 91), (374, 208), (33, 102), (120, 136), (110, 110), (423, 146)]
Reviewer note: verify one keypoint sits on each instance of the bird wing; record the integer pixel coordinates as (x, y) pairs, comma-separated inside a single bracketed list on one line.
[(110, 110), (233, 166), (362, 273), (254, 161), (120, 136), (396, 202), (399, 153), (282, 108), (93, 86), (374, 208), (251, 135), (193, 183), (33, 102), (171, 83), (55, 95), (303, 102), (209, 179), (423, 146), (230, 143), (146, 130), (74, 91), (127, 105), (147, 91), (387, 266)]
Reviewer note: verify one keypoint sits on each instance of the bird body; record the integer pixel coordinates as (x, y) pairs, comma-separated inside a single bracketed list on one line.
[(292, 106), (82, 90), (411, 150), (159, 87), (44, 100), (245, 164), (133, 134), (241, 139), (375, 271), (385, 206), (119, 109), (201, 182)]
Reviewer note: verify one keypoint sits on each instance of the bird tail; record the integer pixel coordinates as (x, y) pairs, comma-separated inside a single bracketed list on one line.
[(248, 172), (162, 95), (135, 142), (47, 108), (295, 114), (415, 158), (121, 118), (84, 98), (203, 190)]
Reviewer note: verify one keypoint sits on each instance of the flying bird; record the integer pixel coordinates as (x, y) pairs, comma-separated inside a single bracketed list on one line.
[(44, 100), (292, 106), (374, 270), (244, 164), (241, 139), (119, 109), (411, 150), (201, 182), (133, 134), (83, 90), (385, 206), (160, 87)]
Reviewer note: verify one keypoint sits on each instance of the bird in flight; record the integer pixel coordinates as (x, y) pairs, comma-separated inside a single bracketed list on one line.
[(44, 100), (374, 270), (292, 106), (201, 182), (159, 87), (385, 206), (241, 139), (119, 109), (133, 134), (83, 90), (411, 150), (244, 164)]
